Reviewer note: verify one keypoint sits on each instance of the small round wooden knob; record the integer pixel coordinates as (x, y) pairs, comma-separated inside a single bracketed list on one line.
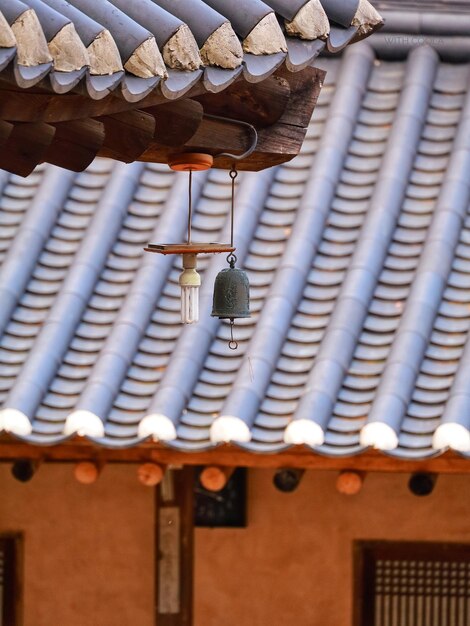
[(190, 161), (150, 474), (86, 472), (215, 478), (349, 483)]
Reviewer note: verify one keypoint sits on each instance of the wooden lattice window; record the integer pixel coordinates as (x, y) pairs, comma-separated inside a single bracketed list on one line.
[(10, 586), (412, 584)]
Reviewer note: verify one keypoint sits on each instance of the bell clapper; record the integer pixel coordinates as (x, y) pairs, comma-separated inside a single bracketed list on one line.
[(232, 344)]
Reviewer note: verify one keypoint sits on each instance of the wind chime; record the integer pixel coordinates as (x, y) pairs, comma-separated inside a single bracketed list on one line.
[(231, 290)]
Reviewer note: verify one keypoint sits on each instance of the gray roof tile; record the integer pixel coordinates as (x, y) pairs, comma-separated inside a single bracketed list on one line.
[(365, 306)]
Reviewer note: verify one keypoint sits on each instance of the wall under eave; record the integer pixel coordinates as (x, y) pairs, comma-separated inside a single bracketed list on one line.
[(88, 549), (293, 566)]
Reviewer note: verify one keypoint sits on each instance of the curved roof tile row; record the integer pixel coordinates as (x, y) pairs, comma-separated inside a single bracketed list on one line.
[(136, 47), (358, 257)]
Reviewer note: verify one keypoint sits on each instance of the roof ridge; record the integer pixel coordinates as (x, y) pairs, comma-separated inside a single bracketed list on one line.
[(424, 5), (425, 23)]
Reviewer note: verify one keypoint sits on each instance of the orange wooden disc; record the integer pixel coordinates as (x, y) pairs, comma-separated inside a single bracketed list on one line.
[(86, 472), (190, 161)]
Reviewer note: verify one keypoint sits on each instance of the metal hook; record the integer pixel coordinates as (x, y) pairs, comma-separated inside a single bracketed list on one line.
[(232, 344), (231, 259), (252, 129)]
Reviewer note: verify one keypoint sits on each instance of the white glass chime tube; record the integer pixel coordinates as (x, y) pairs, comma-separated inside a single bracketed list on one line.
[(189, 281)]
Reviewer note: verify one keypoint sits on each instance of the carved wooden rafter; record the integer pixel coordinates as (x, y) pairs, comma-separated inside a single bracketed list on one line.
[(70, 130)]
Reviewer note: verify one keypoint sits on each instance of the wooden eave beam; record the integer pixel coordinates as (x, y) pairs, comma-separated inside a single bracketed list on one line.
[(280, 108), (131, 134), (26, 146), (176, 122), (261, 104), (127, 135), (277, 143), (30, 106), (76, 143), (232, 456)]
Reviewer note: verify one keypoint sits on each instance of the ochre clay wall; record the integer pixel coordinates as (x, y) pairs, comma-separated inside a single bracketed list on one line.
[(88, 549), (292, 566)]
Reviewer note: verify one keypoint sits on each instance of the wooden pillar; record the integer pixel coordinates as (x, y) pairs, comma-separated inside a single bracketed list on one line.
[(174, 540)]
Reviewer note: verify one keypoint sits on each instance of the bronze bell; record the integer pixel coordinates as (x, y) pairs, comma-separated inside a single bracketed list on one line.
[(231, 293)]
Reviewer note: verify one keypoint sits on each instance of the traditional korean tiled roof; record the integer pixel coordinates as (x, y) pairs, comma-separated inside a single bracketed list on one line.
[(358, 254), (443, 24), (133, 48), (425, 6)]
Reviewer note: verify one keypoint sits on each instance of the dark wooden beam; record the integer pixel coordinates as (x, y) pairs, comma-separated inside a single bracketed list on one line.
[(76, 143), (305, 88), (282, 141), (231, 456), (127, 135), (26, 147), (6, 129), (279, 107), (176, 122), (175, 548), (211, 137), (132, 135), (30, 106), (277, 144), (261, 104)]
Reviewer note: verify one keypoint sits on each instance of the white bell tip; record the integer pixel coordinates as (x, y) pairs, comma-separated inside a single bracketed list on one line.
[(451, 435), (379, 435), (304, 431), (228, 428), (158, 426), (84, 423), (15, 422)]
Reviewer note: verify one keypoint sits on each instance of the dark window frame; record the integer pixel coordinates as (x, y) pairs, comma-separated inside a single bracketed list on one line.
[(366, 553), (11, 545)]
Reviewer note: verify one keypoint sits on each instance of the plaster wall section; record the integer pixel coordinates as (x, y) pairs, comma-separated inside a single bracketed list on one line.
[(293, 564), (88, 549)]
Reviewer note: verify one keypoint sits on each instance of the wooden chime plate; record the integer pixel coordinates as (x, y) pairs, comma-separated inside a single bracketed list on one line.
[(189, 248)]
